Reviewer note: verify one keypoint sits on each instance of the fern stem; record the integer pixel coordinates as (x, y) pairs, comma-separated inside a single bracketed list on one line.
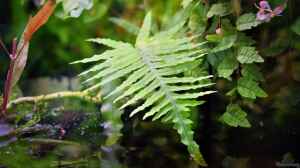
[(183, 128), (164, 87)]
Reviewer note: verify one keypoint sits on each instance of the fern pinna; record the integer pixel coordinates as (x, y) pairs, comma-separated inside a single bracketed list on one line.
[(153, 73)]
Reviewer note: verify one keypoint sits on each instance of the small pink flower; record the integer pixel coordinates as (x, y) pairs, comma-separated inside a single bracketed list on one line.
[(263, 16), (278, 10), (264, 5), (265, 13)]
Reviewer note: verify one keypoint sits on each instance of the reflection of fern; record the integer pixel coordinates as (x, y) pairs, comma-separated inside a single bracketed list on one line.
[(153, 71)]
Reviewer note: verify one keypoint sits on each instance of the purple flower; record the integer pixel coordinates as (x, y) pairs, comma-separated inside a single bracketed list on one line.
[(264, 5), (278, 10), (263, 16), (265, 13)]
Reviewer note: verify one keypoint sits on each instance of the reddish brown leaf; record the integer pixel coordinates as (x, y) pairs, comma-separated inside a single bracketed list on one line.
[(20, 61), (39, 19)]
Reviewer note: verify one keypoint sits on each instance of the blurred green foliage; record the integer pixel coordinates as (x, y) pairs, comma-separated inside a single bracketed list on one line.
[(62, 41)]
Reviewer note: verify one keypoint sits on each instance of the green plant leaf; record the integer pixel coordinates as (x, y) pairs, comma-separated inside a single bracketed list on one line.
[(246, 21), (226, 43), (235, 116), (198, 21), (144, 33), (249, 88), (214, 38), (179, 18), (248, 55), (227, 66), (219, 9), (251, 71), (152, 72)]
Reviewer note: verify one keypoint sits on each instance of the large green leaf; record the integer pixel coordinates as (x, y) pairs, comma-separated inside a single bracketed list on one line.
[(226, 43), (152, 74), (251, 71), (219, 9), (227, 66), (198, 21), (235, 116), (248, 55), (246, 21), (249, 88)]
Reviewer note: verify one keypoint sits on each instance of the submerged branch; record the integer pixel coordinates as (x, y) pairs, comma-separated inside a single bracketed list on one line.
[(59, 95), (52, 141), (68, 163)]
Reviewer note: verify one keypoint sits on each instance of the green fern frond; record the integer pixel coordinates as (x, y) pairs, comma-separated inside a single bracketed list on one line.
[(152, 73)]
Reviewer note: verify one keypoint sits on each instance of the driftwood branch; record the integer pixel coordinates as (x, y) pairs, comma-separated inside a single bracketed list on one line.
[(58, 95), (51, 141)]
